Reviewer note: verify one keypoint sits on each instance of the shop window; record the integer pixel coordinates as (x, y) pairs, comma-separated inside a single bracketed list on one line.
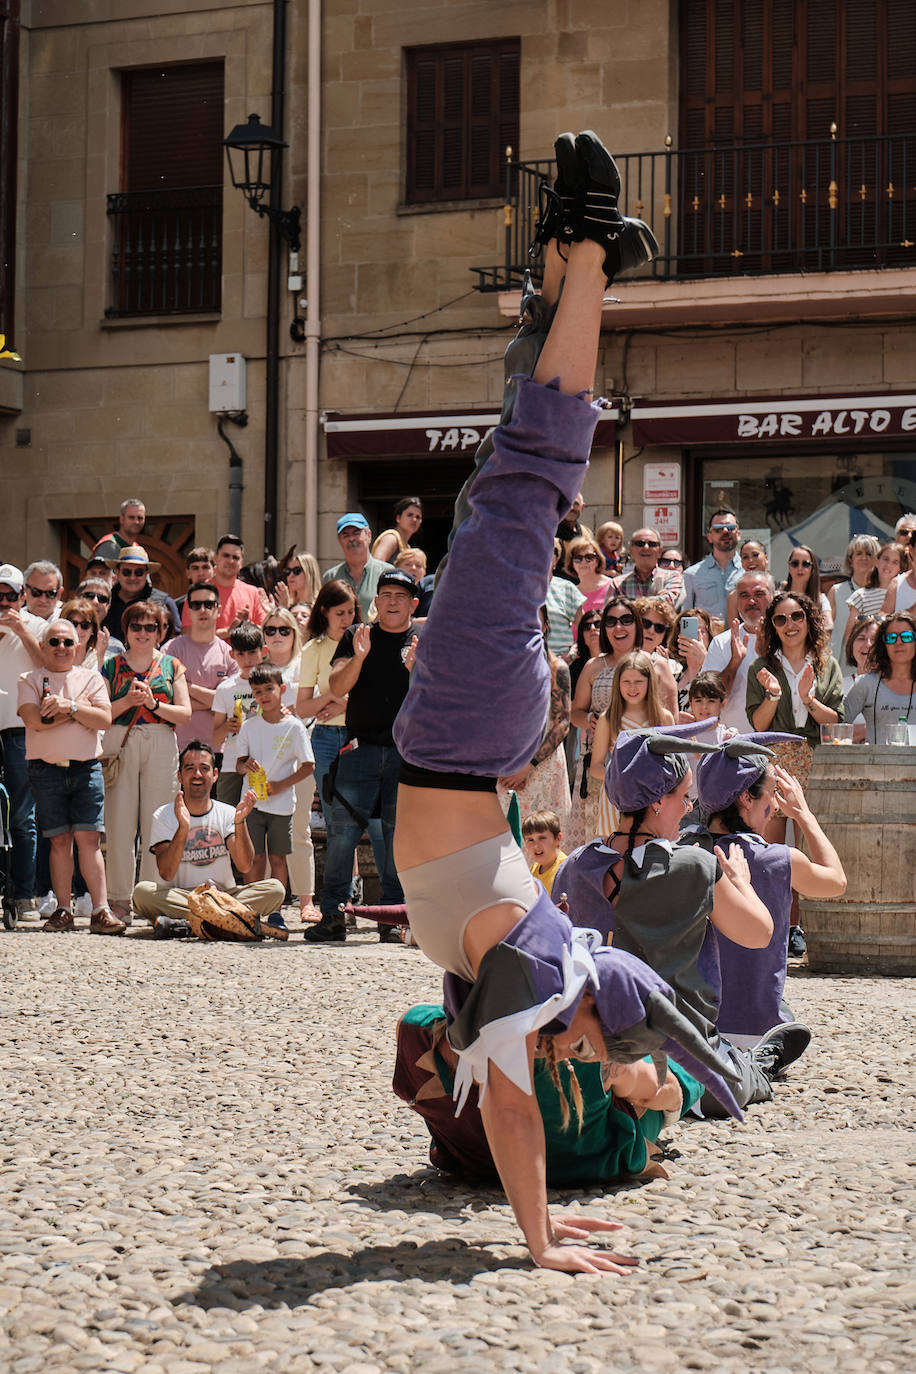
[(462, 114), (817, 498), (9, 99), (167, 217)]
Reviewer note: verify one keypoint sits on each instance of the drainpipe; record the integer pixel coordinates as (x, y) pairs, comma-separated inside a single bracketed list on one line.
[(312, 276), (274, 279)]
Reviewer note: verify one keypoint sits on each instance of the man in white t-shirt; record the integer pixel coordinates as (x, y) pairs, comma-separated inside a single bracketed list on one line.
[(194, 839), (733, 651)]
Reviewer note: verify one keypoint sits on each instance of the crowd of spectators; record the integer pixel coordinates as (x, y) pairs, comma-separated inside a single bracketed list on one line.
[(276, 688)]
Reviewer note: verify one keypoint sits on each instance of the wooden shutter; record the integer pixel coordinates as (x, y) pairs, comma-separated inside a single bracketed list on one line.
[(462, 112), (173, 126)]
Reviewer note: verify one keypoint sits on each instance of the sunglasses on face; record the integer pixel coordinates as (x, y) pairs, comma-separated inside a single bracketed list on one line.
[(799, 562), (132, 572), (727, 529), (590, 627), (144, 627), (283, 630), (56, 643), (9, 596), (628, 618), (671, 563), (658, 626), (50, 596), (905, 637), (584, 557), (81, 624), (782, 618), (645, 543), (294, 571), (97, 596), (202, 605)]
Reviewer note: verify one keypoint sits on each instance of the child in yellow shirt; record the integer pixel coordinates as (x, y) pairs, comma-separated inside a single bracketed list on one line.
[(541, 834)]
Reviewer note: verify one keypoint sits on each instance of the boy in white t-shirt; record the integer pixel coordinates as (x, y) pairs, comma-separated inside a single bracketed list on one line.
[(233, 702), (275, 753)]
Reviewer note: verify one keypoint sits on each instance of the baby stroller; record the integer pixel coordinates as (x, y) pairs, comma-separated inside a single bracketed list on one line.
[(10, 915)]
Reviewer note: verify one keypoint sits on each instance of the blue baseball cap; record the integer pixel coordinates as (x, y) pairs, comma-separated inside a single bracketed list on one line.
[(354, 518)]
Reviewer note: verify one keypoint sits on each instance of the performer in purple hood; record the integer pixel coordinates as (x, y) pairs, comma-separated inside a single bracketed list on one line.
[(516, 968), (736, 792)]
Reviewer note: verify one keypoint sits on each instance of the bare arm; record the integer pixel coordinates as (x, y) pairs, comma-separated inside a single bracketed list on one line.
[(558, 717), (168, 854), (601, 743), (818, 873), (386, 548), (736, 909), (582, 699), (666, 683), (223, 725), (515, 1133), (241, 850), (345, 672), (282, 784)]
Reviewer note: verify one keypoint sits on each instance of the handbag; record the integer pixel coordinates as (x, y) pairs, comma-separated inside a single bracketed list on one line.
[(111, 762)]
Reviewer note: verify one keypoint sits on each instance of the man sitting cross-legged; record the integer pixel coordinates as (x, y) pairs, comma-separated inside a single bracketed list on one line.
[(194, 838)]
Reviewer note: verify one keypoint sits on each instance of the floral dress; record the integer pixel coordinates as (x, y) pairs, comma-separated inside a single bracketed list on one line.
[(583, 818)]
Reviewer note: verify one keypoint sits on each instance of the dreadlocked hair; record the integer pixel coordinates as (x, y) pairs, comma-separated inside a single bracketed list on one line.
[(549, 1051)]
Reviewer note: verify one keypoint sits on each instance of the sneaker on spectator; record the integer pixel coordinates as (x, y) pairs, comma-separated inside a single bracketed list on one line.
[(24, 907), (389, 935), (59, 921), (82, 907), (171, 928), (797, 942), (47, 905), (276, 926)]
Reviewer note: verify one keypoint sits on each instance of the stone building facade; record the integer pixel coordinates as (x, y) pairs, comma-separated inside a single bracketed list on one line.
[(108, 402)]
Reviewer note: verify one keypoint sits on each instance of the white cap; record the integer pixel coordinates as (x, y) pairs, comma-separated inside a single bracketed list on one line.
[(11, 576)]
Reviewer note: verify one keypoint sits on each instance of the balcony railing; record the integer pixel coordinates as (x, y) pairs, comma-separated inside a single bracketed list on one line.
[(166, 256), (749, 209)]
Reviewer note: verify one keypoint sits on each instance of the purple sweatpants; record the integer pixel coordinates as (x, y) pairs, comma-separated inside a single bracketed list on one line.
[(480, 687)]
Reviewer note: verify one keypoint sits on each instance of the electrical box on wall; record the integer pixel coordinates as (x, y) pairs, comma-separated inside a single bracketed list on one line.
[(227, 382)]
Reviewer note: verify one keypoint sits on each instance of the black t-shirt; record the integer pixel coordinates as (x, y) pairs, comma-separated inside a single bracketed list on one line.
[(382, 684)]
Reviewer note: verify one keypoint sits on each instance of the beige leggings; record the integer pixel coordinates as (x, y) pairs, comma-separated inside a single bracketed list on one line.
[(443, 895), (301, 862)]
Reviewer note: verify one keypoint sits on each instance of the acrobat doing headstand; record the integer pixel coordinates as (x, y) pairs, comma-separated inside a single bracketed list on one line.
[(516, 969)]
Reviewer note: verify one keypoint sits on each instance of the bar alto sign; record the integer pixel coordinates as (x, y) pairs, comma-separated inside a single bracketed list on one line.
[(824, 424)]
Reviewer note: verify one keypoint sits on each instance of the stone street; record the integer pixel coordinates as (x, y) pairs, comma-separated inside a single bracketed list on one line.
[(204, 1169)]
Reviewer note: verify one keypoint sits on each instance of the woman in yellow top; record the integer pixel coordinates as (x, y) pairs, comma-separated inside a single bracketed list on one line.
[(334, 610), (408, 517)]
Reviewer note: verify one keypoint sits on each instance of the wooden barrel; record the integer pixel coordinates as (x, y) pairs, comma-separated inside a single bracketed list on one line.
[(865, 799)]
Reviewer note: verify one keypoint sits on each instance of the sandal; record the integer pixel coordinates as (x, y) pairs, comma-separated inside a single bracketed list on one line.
[(309, 914)]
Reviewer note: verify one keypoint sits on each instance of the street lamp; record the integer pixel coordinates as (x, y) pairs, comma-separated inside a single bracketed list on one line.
[(255, 144)]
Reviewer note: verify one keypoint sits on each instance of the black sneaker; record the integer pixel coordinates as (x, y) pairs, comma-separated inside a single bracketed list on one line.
[(780, 1047), (628, 243), (559, 208), (276, 927), (388, 935), (171, 928), (325, 933), (797, 942)]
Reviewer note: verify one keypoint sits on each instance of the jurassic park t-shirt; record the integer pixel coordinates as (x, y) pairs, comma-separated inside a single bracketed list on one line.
[(205, 858)]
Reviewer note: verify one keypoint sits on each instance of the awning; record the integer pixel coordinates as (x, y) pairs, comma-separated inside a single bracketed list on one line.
[(413, 435), (781, 419)]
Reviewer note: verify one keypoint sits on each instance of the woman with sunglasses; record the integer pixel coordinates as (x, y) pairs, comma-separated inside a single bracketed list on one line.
[(804, 576), (795, 687), (585, 563), (98, 591), (298, 585), (619, 633), (885, 694), (859, 567), (149, 698), (64, 708), (84, 617)]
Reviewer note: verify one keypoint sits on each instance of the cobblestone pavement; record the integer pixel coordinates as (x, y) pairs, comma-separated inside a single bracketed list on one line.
[(204, 1169)]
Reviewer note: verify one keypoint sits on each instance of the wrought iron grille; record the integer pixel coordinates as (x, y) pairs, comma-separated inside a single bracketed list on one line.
[(749, 209), (166, 256)]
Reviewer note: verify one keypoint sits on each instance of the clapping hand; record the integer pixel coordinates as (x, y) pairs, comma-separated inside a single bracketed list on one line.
[(182, 814), (246, 805), (361, 641), (806, 682), (768, 681)]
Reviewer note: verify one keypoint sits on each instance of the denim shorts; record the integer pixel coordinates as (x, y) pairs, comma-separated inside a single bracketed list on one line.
[(68, 798)]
